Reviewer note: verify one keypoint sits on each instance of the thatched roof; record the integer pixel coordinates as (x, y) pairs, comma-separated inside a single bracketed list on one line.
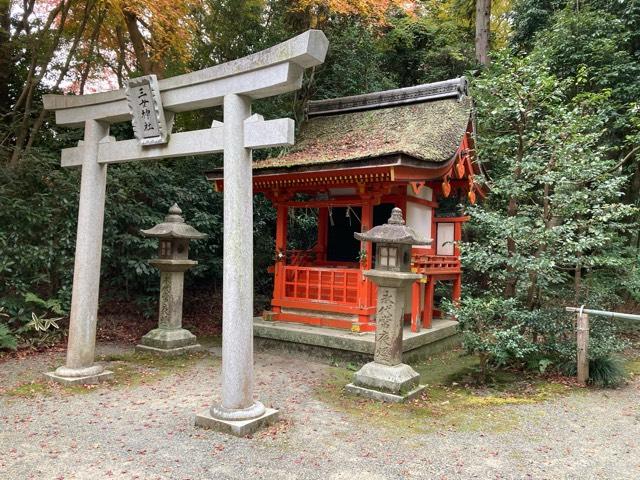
[(429, 131)]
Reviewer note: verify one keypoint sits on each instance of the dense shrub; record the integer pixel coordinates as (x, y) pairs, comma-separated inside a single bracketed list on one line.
[(504, 334)]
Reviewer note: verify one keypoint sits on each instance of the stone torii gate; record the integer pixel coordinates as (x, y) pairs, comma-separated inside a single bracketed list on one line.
[(233, 85)]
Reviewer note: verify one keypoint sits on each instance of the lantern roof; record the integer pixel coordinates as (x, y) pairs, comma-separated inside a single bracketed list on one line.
[(174, 226), (394, 231)]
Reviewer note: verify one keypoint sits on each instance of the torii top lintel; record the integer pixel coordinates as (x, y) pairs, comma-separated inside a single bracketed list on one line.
[(273, 71)]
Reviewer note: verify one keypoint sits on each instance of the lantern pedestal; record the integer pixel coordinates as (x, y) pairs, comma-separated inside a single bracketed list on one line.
[(169, 342), (387, 378), (396, 383), (170, 338), (84, 379)]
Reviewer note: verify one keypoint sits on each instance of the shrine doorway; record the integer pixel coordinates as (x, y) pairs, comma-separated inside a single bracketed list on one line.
[(341, 244)]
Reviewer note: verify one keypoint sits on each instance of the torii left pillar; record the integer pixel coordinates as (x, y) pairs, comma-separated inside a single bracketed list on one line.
[(79, 367)]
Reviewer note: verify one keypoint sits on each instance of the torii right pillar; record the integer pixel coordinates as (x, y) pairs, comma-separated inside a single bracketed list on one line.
[(239, 413)]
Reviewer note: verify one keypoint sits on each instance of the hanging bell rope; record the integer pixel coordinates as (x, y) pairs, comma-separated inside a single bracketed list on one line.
[(351, 211)]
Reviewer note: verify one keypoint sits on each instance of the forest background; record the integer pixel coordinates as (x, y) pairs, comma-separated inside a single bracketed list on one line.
[(556, 88)]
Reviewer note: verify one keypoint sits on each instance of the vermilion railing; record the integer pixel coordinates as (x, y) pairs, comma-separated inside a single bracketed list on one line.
[(426, 264), (331, 285)]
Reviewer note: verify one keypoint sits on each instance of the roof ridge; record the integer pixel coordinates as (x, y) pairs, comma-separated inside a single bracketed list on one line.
[(456, 87)]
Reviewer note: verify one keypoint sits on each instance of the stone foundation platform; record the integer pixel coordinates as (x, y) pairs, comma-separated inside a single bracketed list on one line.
[(329, 343), (239, 428)]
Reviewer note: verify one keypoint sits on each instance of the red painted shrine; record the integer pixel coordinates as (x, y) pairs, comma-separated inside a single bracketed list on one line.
[(355, 159)]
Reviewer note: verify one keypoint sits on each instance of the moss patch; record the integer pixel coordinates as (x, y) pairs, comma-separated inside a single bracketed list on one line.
[(130, 369), (29, 390), (452, 400), (209, 341), (137, 368), (429, 131), (42, 388), (631, 360), (633, 367)]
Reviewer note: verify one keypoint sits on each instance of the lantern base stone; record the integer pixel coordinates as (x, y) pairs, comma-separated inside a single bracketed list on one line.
[(389, 383), (169, 341), (389, 378), (382, 395), (103, 376), (239, 428), (169, 352)]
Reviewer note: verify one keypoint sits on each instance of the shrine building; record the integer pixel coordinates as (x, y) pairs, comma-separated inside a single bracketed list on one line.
[(355, 159)]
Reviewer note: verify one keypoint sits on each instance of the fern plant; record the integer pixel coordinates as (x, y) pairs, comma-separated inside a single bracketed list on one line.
[(7, 340)]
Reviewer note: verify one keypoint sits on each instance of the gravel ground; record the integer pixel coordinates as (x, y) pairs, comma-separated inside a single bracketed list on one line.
[(145, 431)]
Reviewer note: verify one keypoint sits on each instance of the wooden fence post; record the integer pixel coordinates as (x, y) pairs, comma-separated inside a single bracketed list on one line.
[(583, 347)]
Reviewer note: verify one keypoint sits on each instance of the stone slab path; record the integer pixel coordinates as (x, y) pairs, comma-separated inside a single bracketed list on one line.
[(145, 431)]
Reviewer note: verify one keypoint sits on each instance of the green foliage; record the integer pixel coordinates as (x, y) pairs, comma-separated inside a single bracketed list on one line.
[(52, 305), (31, 320), (7, 339), (355, 62), (39, 203), (302, 229), (632, 282), (505, 334), (556, 208), (422, 49), (604, 372), (494, 328), (38, 250), (557, 120)]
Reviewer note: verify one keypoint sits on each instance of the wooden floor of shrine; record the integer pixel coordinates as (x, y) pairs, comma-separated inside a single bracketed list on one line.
[(329, 342)]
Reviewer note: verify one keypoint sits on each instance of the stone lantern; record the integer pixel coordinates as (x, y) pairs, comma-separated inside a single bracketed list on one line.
[(173, 252), (387, 378)]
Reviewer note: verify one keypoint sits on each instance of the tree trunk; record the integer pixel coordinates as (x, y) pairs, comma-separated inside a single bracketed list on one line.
[(22, 110), (532, 296), (510, 286), (512, 211), (137, 41), (483, 26), (633, 197), (92, 46), (5, 58)]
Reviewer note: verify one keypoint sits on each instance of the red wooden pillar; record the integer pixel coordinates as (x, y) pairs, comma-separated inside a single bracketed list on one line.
[(365, 290), (415, 306), (281, 248), (323, 232), (427, 312), (367, 224), (457, 289), (457, 236), (457, 283)]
